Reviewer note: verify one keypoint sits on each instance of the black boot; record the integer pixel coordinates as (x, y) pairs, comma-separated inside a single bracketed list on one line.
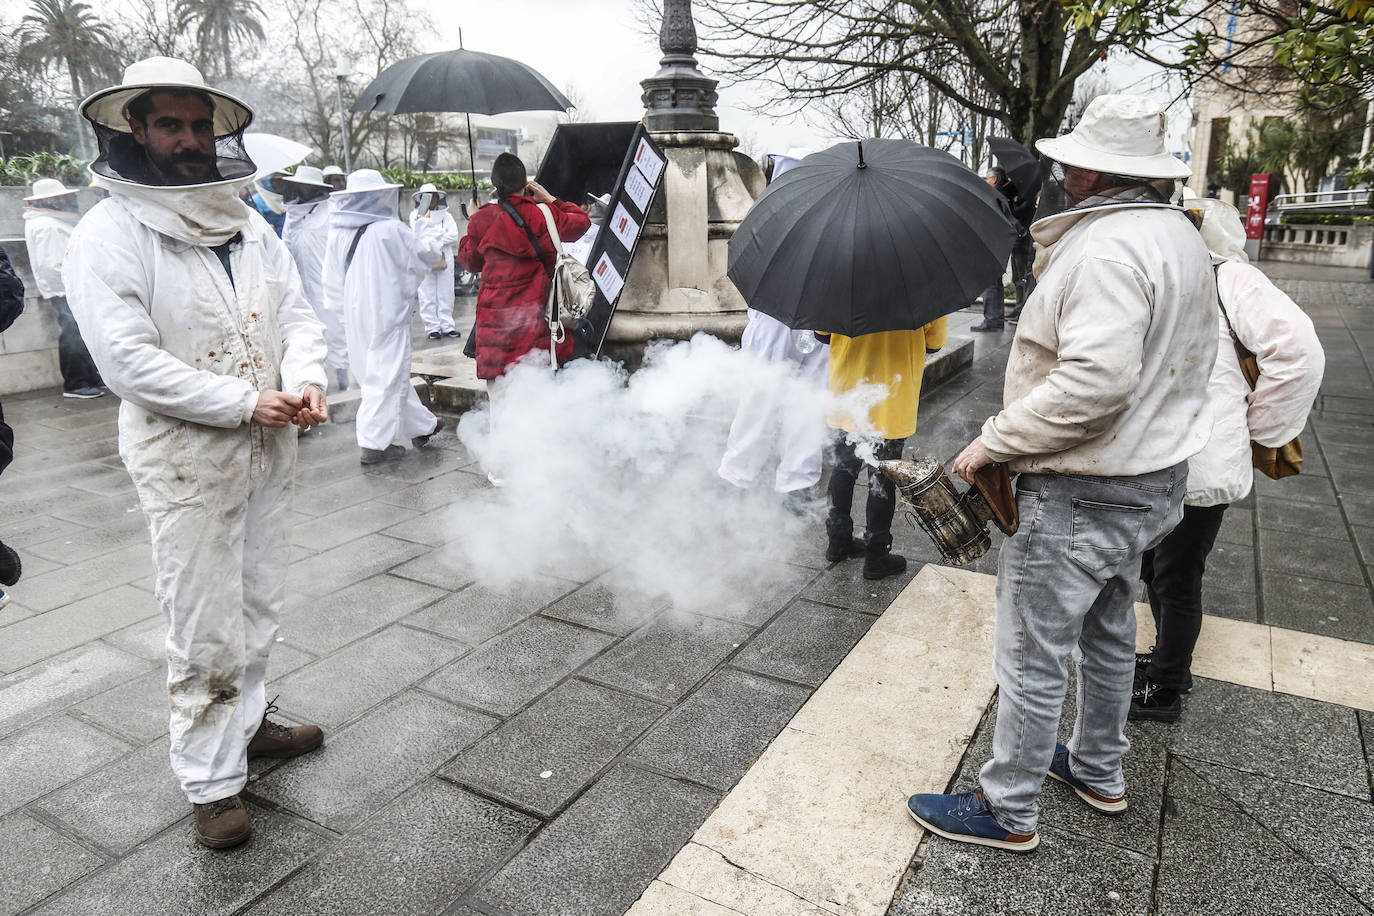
[(1153, 703), (10, 567), (879, 560), (844, 548)]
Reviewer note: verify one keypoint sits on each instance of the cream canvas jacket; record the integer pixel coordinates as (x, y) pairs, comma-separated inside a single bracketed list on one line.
[(1108, 372)]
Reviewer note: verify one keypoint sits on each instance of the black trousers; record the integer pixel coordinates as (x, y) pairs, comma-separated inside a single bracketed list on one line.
[(1022, 258), (1173, 582), (994, 305), (882, 493), (78, 369)]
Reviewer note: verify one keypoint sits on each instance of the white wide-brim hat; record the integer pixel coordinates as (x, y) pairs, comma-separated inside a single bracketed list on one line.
[(108, 107), (1118, 135), (308, 175), (429, 188), (48, 187), (1223, 229), (330, 170), (366, 180)]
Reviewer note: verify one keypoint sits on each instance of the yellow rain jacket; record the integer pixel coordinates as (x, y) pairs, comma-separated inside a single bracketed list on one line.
[(896, 359)]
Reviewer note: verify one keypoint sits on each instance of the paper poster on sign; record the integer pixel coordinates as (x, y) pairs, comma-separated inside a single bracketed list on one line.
[(648, 161), (639, 189), (607, 278), (624, 227)]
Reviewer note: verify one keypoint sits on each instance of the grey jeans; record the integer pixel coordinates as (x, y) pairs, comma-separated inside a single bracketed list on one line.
[(1067, 578)]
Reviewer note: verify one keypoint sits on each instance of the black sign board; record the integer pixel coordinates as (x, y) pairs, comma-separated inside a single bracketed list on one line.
[(621, 229), (584, 159)]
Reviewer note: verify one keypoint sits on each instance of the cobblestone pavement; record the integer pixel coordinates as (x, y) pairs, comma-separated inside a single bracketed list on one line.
[(549, 750)]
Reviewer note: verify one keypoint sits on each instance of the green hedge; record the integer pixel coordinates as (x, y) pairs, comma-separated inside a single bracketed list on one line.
[(25, 170), (1324, 219), (445, 181)]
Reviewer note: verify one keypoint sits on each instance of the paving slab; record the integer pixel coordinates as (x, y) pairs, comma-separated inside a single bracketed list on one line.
[(435, 527), (354, 561), (365, 766), (444, 567), (843, 585), (326, 531), (338, 688), (539, 759), (665, 658), (50, 632), (1304, 518), (477, 613), (323, 624), (138, 709), (50, 686), (753, 595), (598, 857), (714, 735), (506, 673), (417, 856), (48, 754), (1318, 557), (38, 862), (174, 875), (1318, 606), (601, 607), (804, 643), (435, 492)]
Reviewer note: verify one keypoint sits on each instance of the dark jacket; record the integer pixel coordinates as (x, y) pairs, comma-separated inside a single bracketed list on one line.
[(514, 294), (11, 307)]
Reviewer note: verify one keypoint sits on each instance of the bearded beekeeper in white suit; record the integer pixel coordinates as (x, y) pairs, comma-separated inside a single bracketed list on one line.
[(431, 221), (763, 420), (194, 313), (374, 265), (306, 235)]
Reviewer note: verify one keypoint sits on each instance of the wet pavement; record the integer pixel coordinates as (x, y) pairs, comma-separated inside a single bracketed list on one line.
[(550, 749)]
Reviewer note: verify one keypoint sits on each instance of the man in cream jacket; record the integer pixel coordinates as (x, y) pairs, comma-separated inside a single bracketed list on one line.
[(1105, 400), (194, 313)]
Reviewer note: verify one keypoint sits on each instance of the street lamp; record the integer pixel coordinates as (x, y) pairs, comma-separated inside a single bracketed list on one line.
[(343, 122)]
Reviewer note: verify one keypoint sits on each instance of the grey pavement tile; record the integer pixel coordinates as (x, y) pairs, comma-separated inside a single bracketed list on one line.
[(326, 531), (843, 585), (1355, 457), (45, 634), (1237, 527), (138, 709), (1233, 565), (51, 753), (1284, 737), (1302, 488), (364, 766), (324, 624), (13, 612), (601, 607), (285, 659), (52, 685), (1067, 874), (570, 734), (81, 580), (20, 532), (435, 527), (1209, 845), (97, 511), (146, 639), (76, 546), (435, 492), (665, 658), (749, 595), (417, 856), (444, 567), (38, 862), (804, 643), (337, 688), (597, 858), (1227, 602), (340, 494), (1318, 606), (124, 802), (713, 736), (1299, 517), (507, 672), (1344, 404), (354, 561), (419, 465), (1364, 540), (1319, 557), (477, 613), (173, 875), (1338, 840)]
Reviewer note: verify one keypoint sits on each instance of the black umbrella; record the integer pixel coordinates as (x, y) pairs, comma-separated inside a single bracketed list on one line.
[(883, 235), (1020, 165), (461, 80)]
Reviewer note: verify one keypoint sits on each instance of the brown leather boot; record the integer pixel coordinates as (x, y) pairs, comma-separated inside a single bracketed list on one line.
[(276, 740), (222, 824)]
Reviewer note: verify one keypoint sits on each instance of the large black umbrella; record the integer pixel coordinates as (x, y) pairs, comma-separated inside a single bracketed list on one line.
[(1020, 165), (883, 235), (461, 80)]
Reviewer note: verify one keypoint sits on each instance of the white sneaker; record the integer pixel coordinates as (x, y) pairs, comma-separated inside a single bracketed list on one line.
[(495, 481)]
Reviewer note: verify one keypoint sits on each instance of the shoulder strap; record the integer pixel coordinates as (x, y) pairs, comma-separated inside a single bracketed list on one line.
[(534, 243), (553, 229), (357, 237), (1243, 353)]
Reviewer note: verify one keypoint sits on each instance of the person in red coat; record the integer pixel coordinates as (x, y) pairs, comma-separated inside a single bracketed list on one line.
[(513, 298)]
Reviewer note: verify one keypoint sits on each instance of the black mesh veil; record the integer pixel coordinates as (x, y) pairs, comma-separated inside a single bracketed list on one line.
[(123, 158)]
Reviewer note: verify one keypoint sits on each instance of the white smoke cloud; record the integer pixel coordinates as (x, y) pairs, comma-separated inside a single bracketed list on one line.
[(604, 471)]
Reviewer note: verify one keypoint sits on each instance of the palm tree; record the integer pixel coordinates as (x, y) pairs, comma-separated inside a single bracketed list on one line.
[(67, 33), (218, 23)]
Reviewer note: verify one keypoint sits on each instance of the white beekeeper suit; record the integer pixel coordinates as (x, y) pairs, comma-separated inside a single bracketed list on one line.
[(377, 288), (431, 222), (763, 419), (1286, 346), (188, 350), (306, 235), (46, 234)]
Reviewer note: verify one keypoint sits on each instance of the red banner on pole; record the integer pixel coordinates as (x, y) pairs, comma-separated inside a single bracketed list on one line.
[(1259, 204)]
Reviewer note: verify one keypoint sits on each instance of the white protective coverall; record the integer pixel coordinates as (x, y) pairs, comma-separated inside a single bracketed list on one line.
[(377, 290), (188, 352), (46, 234), (306, 235), (438, 231), (762, 418)]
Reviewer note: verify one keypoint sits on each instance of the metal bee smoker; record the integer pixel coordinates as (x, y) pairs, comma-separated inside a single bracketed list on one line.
[(956, 522)]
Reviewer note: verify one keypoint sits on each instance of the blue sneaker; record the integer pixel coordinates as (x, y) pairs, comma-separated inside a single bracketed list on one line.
[(964, 817), (1060, 770), (4, 599)]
